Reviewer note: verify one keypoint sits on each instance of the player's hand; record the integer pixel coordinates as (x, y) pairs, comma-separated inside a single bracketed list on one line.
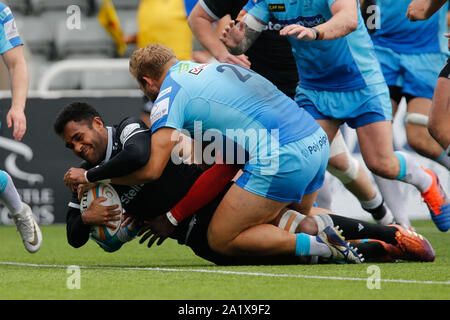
[(158, 228), (83, 187), (241, 59), (98, 214), (232, 35), (74, 177), (298, 32), (417, 10), (16, 117)]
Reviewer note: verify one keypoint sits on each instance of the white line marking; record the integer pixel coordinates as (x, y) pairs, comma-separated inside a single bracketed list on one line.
[(260, 274)]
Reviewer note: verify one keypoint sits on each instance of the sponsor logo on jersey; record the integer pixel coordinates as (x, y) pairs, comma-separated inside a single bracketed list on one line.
[(11, 29), (6, 12), (198, 69), (307, 22), (277, 7), (159, 110), (183, 67)]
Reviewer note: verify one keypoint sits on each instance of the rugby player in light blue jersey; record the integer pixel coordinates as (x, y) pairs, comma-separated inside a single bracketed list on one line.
[(282, 149), (340, 81), (411, 55), (11, 51)]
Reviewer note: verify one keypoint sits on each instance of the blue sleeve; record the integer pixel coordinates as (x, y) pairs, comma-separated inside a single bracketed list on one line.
[(168, 109), (258, 9), (9, 35), (189, 5)]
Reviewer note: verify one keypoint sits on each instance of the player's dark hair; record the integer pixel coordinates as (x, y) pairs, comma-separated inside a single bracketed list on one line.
[(76, 111)]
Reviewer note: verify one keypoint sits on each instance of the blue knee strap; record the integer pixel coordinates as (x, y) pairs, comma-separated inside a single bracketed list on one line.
[(3, 180)]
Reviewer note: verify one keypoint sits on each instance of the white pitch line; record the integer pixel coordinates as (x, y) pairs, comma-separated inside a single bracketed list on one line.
[(260, 274)]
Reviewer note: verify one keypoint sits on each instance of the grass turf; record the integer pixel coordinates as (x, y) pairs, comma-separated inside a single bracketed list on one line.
[(173, 272)]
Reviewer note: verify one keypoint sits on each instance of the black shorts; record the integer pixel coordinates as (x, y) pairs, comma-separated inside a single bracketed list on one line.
[(193, 233), (445, 73)]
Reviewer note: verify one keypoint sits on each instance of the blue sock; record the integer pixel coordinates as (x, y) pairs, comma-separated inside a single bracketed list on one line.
[(303, 244), (402, 162)]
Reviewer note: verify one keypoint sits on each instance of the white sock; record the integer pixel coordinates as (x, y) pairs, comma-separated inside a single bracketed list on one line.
[(412, 173), (374, 203), (9, 195), (394, 199), (308, 245), (325, 195), (319, 248)]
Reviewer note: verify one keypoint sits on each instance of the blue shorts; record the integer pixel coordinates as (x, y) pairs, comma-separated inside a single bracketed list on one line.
[(416, 74), (299, 169), (357, 108)]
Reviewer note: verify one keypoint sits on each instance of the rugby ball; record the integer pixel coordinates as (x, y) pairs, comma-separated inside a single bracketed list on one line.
[(105, 190)]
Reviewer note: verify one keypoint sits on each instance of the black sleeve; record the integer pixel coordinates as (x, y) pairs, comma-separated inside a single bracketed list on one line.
[(221, 8), (77, 231), (135, 153)]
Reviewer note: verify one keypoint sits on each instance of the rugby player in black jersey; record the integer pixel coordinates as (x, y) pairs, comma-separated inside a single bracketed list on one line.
[(118, 150)]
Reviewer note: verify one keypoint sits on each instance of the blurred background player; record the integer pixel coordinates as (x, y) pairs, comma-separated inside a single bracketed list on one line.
[(410, 68), (12, 54), (271, 56), (164, 21), (341, 81), (440, 110), (411, 56)]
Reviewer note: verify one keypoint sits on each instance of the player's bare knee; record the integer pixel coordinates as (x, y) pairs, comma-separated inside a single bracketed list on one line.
[(308, 226)]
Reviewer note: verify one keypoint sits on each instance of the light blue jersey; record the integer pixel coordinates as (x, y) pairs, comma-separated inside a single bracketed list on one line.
[(224, 102), (344, 64), (9, 36), (399, 34), (227, 97)]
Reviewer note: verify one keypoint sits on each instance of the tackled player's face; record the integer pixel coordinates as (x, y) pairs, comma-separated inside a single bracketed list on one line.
[(88, 142)]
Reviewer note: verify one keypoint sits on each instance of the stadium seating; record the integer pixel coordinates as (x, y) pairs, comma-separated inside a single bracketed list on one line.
[(39, 6), (90, 39), (43, 28)]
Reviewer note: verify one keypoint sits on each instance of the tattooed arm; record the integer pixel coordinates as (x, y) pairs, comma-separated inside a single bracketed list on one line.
[(238, 38)]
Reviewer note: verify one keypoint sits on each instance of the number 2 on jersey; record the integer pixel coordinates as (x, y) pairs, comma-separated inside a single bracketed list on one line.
[(241, 76)]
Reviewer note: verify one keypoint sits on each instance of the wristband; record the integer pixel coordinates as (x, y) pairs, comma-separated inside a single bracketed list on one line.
[(319, 34), (448, 151), (85, 177), (171, 219)]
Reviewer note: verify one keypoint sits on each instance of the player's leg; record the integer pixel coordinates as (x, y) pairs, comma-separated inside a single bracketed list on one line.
[(421, 75), (241, 223), (382, 242), (21, 214), (439, 120), (417, 133), (375, 140), (355, 178)]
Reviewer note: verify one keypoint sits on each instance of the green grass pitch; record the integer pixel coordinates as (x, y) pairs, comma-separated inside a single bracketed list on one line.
[(173, 272)]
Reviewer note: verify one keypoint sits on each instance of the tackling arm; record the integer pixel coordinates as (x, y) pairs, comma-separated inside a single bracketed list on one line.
[(238, 38), (162, 143)]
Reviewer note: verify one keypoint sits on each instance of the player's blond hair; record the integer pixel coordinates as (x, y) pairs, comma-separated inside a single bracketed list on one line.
[(150, 61)]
